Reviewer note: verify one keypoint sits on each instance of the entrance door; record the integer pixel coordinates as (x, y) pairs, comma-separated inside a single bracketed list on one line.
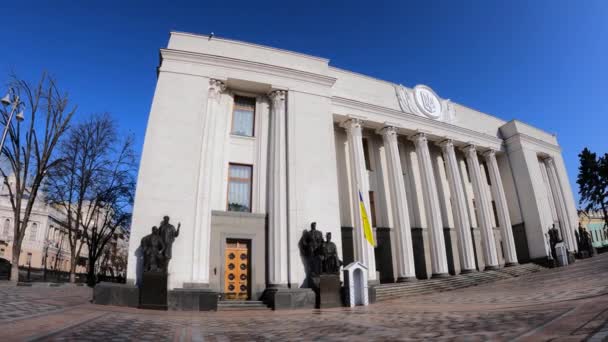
[(237, 271)]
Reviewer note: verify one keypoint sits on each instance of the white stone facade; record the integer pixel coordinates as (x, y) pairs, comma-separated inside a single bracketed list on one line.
[(449, 189)]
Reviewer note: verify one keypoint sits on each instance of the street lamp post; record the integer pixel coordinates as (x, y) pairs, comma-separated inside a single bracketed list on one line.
[(15, 103)]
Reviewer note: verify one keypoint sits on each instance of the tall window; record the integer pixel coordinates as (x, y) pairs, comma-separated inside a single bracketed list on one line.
[(366, 154), (33, 231), (243, 116), (239, 187), (29, 259), (6, 227)]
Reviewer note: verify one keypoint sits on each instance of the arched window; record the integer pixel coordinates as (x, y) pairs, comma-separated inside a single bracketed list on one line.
[(33, 232), (6, 227)]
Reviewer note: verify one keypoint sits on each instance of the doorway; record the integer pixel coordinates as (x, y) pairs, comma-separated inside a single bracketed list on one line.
[(237, 269)]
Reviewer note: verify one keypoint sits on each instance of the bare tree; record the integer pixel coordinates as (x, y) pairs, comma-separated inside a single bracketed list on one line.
[(94, 186), (29, 150)]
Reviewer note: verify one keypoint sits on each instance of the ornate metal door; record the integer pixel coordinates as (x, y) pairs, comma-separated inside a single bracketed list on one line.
[(236, 272)]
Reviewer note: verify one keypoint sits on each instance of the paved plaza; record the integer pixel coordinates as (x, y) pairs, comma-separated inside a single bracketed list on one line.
[(559, 304)]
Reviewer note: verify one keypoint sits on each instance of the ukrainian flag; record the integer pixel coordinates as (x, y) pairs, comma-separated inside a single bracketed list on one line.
[(367, 227)]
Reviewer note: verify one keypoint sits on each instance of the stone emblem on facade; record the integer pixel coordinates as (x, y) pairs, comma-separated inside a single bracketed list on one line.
[(423, 101)]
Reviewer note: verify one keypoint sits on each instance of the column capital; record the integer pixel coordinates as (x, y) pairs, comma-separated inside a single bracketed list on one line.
[(446, 144), (489, 154), (216, 87), (419, 138), (351, 122), (470, 149), (550, 161), (388, 131), (277, 95)]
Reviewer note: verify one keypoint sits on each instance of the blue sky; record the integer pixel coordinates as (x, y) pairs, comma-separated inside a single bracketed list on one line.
[(542, 62)]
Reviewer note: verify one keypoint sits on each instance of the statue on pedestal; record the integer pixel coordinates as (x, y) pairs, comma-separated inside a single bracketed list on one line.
[(331, 262), (153, 248), (168, 233)]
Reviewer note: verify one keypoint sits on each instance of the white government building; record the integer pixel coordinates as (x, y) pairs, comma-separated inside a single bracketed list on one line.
[(246, 145)]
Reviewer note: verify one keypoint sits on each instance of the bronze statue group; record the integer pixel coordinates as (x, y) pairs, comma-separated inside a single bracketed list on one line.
[(321, 255), (157, 246)]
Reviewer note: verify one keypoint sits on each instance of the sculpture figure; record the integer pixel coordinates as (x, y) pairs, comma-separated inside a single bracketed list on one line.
[(314, 248), (331, 262), (168, 233), (153, 248), (553, 240)]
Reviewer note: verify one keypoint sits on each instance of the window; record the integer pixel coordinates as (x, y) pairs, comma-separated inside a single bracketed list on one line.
[(33, 231), (239, 187), (243, 116), (6, 227), (29, 258), (366, 154), (372, 209)]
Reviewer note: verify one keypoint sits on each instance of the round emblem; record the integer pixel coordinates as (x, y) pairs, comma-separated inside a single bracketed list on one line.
[(231, 266), (243, 277), (427, 101), (231, 287), (231, 256), (243, 266), (231, 276), (243, 256), (243, 288)]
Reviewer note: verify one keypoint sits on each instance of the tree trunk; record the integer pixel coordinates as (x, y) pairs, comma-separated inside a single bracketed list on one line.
[(73, 262), (91, 279), (15, 266)]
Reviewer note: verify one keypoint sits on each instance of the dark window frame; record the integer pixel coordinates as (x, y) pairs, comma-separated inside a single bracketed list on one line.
[(250, 188), (236, 106)]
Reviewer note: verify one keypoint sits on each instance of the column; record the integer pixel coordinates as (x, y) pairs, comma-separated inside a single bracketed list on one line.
[(277, 192), (459, 208), (502, 210), (439, 263), (483, 204), (202, 220), (403, 231), (562, 213), (364, 251)]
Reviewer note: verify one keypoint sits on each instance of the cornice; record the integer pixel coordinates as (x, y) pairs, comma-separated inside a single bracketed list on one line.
[(540, 144), (233, 63), (240, 42), (419, 120)]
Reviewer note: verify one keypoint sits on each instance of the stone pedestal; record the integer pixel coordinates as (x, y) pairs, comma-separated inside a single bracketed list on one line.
[(189, 299), (153, 291), (116, 294), (289, 298), (329, 291)]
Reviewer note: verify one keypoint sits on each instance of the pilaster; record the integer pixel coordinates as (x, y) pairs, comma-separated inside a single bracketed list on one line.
[(202, 221), (277, 192)]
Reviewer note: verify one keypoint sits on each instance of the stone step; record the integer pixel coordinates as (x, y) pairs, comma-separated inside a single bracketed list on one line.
[(422, 287), (236, 305)]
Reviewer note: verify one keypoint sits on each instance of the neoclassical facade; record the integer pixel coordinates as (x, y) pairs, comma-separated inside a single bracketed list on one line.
[(246, 145)]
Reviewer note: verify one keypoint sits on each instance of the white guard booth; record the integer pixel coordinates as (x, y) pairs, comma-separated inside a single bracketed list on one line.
[(355, 278)]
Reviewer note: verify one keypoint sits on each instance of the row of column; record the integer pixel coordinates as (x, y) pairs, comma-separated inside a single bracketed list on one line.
[(402, 229)]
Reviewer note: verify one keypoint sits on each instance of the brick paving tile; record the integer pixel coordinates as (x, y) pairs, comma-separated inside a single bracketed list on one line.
[(565, 304)]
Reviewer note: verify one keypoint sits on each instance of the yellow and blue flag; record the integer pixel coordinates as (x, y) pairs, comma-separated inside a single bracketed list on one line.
[(367, 227)]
